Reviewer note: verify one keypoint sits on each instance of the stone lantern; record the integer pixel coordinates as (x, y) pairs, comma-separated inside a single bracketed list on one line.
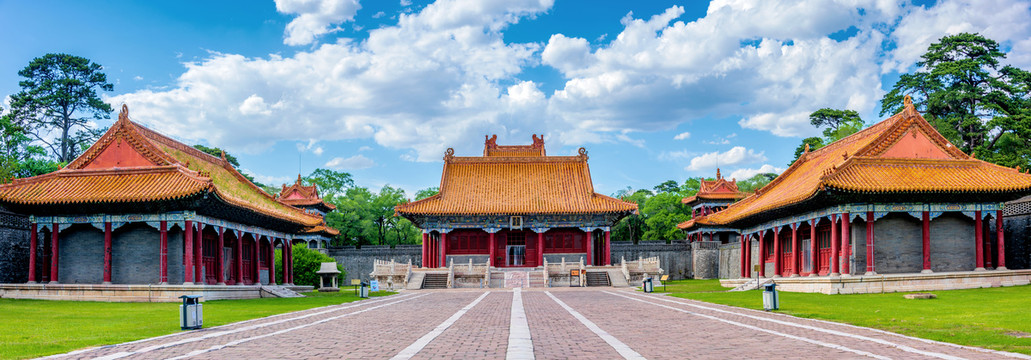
[(328, 270)]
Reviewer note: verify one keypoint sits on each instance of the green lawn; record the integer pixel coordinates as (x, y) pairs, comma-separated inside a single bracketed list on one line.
[(33, 328), (995, 318)]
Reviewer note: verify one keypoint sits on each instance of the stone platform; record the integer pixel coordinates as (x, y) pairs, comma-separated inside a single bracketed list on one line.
[(865, 284), (132, 293)]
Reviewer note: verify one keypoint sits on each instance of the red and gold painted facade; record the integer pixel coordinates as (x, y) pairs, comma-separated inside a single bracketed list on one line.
[(514, 206)]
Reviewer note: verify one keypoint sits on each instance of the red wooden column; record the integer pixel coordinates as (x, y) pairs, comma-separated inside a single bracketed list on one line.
[(870, 270), (53, 253), (589, 235), (238, 250), (748, 256), (1002, 244), (834, 246), (741, 257), (163, 253), (425, 245), (794, 250), (272, 261), (443, 249), (492, 246), (540, 248), (107, 252), (608, 248), (846, 250), (33, 243), (814, 252), (256, 270), (762, 255), (198, 256), (778, 265), (927, 242), (188, 253), (219, 271), (978, 241)]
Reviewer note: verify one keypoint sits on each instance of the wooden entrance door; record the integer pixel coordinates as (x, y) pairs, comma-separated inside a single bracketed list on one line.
[(823, 238), (210, 245)]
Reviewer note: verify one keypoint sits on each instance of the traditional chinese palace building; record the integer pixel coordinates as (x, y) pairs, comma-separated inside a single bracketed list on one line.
[(141, 208), (712, 196), (307, 197), (513, 207), (894, 198)]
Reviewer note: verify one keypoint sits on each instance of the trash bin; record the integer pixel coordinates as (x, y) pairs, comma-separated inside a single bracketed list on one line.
[(771, 299), (364, 291), (647, 286), (191, 312)]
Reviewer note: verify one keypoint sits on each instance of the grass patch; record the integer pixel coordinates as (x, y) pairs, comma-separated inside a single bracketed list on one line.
[(33, 328), (994, 318)]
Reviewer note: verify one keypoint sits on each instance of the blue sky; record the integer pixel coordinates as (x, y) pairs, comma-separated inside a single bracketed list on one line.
[(655, 90)]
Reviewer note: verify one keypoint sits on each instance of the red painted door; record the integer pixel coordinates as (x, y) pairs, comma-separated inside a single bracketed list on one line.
[(785, 264), (531, 250), (210, 266), (248, 265)]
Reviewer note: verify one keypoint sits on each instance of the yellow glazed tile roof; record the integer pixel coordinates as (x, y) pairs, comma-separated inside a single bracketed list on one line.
[(516, 185)]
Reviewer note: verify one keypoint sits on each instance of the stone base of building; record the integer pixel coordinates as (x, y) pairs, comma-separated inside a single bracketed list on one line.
[(867, 284), (132, 293)]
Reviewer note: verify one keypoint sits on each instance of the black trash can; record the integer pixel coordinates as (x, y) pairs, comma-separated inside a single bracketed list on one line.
[(647, 285), (191, 312)]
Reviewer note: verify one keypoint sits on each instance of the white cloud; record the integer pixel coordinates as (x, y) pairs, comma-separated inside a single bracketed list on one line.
[(406, 2), (682, 136), (137, 78), (364, 148), (735, 156), (378, 15), (745, 173), (356, 162), (254, 105), (314, 18), (675, 155), (273, 181)]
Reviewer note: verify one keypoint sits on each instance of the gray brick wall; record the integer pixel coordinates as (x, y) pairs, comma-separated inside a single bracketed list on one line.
[(81, 255), (675, 258), (705, 259), (897, 244), (14, 247), (175, 254), (134, 258), (952, 243), (1017, 232), (358, 262)]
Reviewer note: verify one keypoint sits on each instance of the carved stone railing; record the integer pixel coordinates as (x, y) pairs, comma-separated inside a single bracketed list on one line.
[(390, 274), (451, 274), (583, 273)]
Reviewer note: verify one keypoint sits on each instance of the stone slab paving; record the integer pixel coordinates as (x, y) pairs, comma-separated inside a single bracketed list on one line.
[(474, 324)]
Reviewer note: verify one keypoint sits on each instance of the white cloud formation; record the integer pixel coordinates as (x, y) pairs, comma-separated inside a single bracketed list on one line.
[(314, 18), (745, 173), (356, 162), (444, 75), (682, 136), (735, 156)]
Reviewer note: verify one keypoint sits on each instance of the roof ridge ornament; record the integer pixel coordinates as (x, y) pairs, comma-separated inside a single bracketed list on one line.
[(583, 152), (450, 153), (718, 175), (124, 114), (907, 101)]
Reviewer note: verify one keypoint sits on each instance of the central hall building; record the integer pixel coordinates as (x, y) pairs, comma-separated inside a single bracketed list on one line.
[(894, 198), (513, 207)]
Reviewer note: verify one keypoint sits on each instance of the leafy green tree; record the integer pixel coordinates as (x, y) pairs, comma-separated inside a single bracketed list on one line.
[(331, 183), (427, 192), (668, 186), (307, 263), (755, 182), (838, 123), (633, 226), (59, 95), (18, 158), (663, 212), (966, 94), (813, 142)]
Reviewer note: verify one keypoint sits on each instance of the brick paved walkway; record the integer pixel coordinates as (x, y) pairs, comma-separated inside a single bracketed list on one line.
[(593, 323)]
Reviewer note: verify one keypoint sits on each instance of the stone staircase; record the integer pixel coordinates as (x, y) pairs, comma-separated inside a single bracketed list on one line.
[(752, 284), (537, 279), (279, 291), (616, 278), (415, 282), (434, 281), (598, 278)]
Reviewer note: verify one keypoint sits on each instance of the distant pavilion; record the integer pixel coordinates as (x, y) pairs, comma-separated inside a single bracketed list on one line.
[(712, 196), (515, 206)]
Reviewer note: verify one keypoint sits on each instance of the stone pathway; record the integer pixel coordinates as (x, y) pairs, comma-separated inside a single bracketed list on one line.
[(555, 323)]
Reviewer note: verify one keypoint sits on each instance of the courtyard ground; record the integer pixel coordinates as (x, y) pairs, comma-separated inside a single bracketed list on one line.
[(594, 323), (995, 318), (31, 328)]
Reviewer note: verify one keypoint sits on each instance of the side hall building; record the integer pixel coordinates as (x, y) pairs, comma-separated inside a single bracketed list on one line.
[(513, 207), (895, 198), (139, 208)]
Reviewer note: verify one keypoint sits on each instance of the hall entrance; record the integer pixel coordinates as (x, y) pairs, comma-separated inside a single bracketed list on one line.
[(515, 249)]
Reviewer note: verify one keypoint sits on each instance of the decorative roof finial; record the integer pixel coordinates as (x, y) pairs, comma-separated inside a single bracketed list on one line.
[(450, 153), (298, 178), (718, 175), (124, 114), (222, 154), (806, 148), (907, 101), (583, 153)]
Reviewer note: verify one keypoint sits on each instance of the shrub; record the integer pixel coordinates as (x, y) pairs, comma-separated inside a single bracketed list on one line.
[(306, 266)]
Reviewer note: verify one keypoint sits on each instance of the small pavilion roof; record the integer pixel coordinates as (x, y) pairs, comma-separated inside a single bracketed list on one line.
[(902, 154), (301, 195), (719, 189), (131, 163), (511, 185)]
